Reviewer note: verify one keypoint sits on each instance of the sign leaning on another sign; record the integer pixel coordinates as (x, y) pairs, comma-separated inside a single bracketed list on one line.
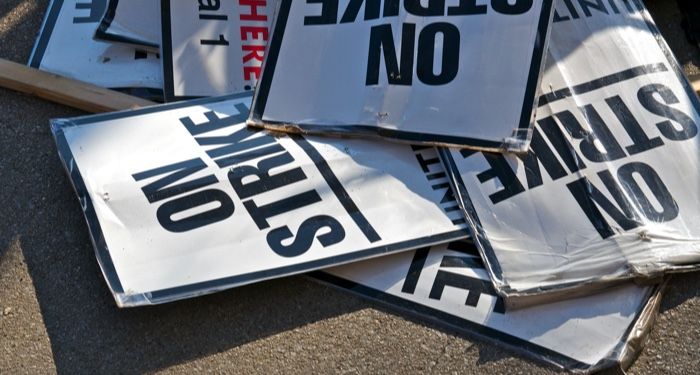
[(610, 187), (430, 72), (449, 285), (213, 48), (184, 199), (136, 23), (65, 47)]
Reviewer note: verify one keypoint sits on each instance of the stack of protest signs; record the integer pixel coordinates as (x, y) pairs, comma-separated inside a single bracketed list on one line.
[(522, 171)]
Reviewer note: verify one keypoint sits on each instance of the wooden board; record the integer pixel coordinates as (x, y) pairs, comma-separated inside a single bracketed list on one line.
[(64, 90)]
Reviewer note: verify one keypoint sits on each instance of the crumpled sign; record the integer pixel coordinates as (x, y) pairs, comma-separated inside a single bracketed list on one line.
[(184, 199), (433, 72), (65, 46), (448, 285), (135, 23), (610, 188)]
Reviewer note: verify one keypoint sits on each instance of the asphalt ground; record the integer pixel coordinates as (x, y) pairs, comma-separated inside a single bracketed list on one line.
[(57, 315)]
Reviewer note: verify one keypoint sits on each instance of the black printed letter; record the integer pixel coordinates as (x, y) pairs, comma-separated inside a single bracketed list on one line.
[(305, 237)]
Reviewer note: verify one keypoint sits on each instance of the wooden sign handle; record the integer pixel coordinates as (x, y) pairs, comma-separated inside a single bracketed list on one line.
[(70, 92)]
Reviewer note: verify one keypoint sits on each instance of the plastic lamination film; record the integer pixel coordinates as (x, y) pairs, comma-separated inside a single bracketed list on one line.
[(609, 189)]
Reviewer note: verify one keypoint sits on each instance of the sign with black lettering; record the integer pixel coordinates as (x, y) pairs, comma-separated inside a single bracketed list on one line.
[(135, 23), (184, 199), (435, 72), (610, 187), (448, 284), (65, 47), (213, 47)]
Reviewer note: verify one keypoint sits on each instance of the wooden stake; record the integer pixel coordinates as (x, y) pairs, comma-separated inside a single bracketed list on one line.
[(64, 90)]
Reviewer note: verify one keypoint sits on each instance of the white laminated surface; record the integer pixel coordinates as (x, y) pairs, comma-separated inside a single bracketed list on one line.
[(133, 22), (449, 285), (183, 200), (65, 46), (610, 188), (433, 72), (213, 48)]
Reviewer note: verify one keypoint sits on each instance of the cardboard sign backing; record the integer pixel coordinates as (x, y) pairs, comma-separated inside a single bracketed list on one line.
[(420, 72), (184, 199)]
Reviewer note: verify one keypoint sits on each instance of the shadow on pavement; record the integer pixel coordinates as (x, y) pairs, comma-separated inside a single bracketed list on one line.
[(89, 333)]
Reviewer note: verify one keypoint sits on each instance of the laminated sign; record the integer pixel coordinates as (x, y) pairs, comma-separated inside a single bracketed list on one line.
[(132, 22), (447, 284), (65, 47), (213, 47), (183, 200), (436, 72), (610, 187)]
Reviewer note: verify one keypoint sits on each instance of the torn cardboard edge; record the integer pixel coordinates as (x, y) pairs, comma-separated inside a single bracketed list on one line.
[(389, 136)]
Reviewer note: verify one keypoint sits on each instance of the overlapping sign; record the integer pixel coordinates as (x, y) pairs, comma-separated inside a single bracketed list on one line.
[(183, 200), (460, 73), (449, 285), (214, 47), (135, 23), (610, 187), (66, 47)]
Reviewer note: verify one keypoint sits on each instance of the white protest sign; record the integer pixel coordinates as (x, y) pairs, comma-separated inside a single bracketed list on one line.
[(447, 284), (434, 72), (213, 47), (610, 188), (65, 46), (131, 22), (184, 200)]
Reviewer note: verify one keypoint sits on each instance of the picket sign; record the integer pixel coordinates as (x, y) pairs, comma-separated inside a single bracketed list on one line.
[(184, 199), (135, 23), (65, 47), (610, 187), (438, 73), (213, 48), (447, 284)]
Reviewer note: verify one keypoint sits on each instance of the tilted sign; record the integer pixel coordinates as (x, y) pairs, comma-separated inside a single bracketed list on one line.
[(213, 47), (183, 200), (610, 187), (447, 284), (435, 72), (65, 47), (131, 22)]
